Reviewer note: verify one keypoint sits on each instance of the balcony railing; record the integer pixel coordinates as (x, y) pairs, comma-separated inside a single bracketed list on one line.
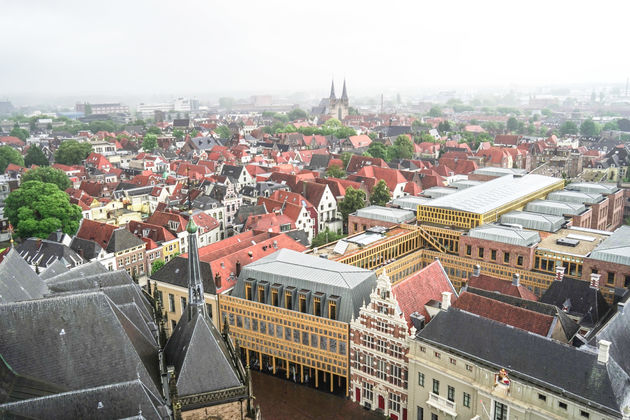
[(442, 404)]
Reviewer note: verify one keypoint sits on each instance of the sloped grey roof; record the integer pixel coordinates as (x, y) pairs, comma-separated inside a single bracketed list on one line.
[(89, 269), (493, 194), (56, 268), (200, 357), (303, 271), (79, 281), (386, 214), (575, 197), (116, 401), (572, 372), (437, 192), (617, 332), (555, 208), (44, 252), (18, 281), (536, 221), (410, 202), (75, 341), (86, 248), (122, 239), (583, 301), (507, 235), (590, 187), (615, 248), (176, 272)]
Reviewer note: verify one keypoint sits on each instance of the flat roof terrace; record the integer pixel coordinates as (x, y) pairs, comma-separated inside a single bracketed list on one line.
[(585, 240)]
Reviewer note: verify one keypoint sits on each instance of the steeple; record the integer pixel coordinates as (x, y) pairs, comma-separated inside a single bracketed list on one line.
[(196, 301), (344, 94), (332, 90)]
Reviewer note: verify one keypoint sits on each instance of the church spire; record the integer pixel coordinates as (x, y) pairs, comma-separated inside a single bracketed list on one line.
[(332, 90), (196, 300), (344, 94)]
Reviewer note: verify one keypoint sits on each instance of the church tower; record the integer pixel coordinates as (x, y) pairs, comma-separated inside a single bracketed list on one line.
[(338, 108)]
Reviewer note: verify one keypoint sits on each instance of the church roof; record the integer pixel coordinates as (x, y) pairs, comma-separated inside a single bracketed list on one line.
[(18, 281)]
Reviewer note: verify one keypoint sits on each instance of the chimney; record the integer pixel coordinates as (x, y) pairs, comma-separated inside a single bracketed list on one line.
[(476, 270), (595, 280), (238, 268), (39, 243), (516, 279), (446, 300), (603, 348), (559, 273), (217, 280)]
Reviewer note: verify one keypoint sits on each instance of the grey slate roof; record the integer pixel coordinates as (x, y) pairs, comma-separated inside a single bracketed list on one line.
[(590, 187), (199, 355), (176, 272), (86, 248), (579, 297), (615, 248), (76, 341), (571, 372), (122, 239), (617, 332), (56, 268), (18, 281), (44, 252), (303, 271), (206, 143), (507, 235), (116, 401), (89, 269), (575, 197)]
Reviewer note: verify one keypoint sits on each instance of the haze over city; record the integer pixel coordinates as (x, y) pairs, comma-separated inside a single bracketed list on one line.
[(147, 48)]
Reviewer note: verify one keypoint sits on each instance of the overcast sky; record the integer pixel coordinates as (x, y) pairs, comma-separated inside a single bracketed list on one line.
[(136, 47)]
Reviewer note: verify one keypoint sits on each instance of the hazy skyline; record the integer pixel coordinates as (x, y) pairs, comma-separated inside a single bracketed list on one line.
[(79, 48)]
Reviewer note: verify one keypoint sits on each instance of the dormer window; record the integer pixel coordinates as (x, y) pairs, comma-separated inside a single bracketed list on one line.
[(173, 224)]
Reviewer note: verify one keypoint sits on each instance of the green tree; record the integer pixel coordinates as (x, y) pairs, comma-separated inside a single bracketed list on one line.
[(402, 148), (424, 137), (512, 124), (323, 238), (568, 128), (378, 150), (588, 128), (20, 133), (49, 175), (335, 171), (88, 109), (333, 123), (71, 152), (35, 156), (435, 111), (156, 265), (444, 126), (223, 132), (380, 194), (352, 201), (611, 126), (39, 208), (149, 143), (296, 114), (345, 158), (9, 155), (178, 134), (154, 130), (546, 112), (623, 124)]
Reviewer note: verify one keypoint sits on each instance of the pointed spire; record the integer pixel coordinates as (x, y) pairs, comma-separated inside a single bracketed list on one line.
[(196, 300), (344, 94), (332, 90)]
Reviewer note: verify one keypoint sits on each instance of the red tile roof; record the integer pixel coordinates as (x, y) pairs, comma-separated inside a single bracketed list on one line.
[(98, 232), (505, 287), (414, 292), (515, 316), (269, 222)]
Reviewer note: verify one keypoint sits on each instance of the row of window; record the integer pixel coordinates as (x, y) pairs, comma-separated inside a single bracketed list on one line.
[(302, 303), (368, 395), (392, 373), (382, 346), (493, 255), (450, 391)]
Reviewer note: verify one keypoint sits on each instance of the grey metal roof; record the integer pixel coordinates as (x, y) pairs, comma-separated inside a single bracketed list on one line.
[(410, 202), (490, 171), (437, 192), (18, 281), (536, 221), (504, 234), (386, 214), (490, 195), (590, 187), (569, 371), (465, 183), (615, 248), (575, 197), (555, 208), (302, 271)]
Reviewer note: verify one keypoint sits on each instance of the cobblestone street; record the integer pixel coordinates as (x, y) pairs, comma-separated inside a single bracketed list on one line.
[(281, 399)]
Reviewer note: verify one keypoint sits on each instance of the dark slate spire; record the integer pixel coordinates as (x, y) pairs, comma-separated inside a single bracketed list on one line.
[(332, 90), (344, 94), (196, 301)]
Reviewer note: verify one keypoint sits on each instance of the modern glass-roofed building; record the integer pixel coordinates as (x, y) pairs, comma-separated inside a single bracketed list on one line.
[(486, 202), (291, 312), (536, 221)]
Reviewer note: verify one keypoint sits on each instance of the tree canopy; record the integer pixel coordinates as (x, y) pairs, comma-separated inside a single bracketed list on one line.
[(402, 148), (35, 156), (353, 201), (568, 128), (178, 134), (296, 114), (48, 174), (378, 150), (71, 152), (335, 171), (588, 128), (9, 155), (20, 133), (435, 111), (154, 130), (156, 265), (39, 208), (223, 132), (380, 194), (512, 124), (444, 126), (322, 238), (149, 143)]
